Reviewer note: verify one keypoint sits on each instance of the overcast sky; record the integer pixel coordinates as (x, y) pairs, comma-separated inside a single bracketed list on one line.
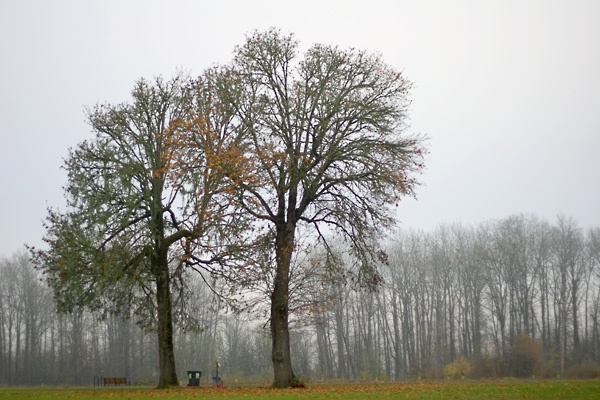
[(507, 91)]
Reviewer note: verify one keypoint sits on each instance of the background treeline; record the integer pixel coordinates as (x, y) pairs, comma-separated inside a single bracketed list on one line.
[(513, 297)]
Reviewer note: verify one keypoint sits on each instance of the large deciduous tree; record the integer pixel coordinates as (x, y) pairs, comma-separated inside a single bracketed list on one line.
[(324, 134), (135, 211)]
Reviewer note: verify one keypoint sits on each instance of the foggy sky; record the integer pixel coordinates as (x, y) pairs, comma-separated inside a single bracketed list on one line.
[(507, 91)]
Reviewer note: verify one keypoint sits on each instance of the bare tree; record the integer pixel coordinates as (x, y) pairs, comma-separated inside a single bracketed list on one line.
[(569, 267)]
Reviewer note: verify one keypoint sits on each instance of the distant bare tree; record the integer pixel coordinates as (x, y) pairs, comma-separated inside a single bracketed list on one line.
[(26, 312)]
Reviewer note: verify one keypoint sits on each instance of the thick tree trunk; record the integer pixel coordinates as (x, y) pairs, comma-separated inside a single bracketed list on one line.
[(280, 334), (166, 354)]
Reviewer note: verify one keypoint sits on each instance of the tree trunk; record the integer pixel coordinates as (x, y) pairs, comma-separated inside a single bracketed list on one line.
[(397, 344), (577, 356), (166, 354), (339, 323), (563, 319), (280, 334)]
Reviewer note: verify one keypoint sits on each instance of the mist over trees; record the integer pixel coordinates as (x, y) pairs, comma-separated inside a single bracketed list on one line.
[(222, 174), (513, 297), (252, 205)]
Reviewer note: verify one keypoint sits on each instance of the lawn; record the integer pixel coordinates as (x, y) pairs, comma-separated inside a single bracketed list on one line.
[(502, 389)]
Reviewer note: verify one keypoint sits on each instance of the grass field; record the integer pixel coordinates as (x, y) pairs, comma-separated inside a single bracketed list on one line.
[(504, 389)]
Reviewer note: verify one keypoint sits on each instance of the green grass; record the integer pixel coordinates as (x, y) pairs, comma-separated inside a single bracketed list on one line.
[(476, 390)]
